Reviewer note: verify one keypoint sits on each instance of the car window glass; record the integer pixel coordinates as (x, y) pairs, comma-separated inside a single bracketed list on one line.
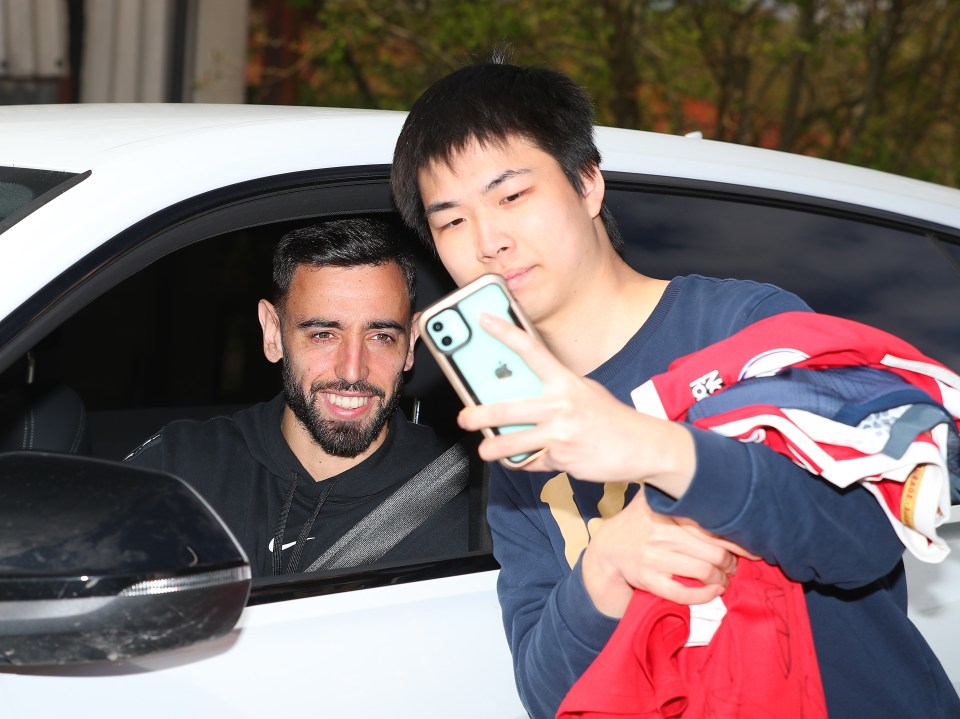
[(181, 339), (894, 279), (23, 189)]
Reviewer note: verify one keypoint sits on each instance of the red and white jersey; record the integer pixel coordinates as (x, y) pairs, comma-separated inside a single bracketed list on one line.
[(913, 488)]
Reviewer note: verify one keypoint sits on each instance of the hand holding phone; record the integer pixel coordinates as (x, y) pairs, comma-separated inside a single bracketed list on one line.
[(481, 369)]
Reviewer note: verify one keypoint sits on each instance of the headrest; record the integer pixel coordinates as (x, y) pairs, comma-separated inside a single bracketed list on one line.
[(51, 419)]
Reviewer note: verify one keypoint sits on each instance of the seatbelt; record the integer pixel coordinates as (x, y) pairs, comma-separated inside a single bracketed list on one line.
[(405, 510)]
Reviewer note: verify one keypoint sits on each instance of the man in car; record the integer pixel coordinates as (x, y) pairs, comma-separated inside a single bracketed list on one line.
[(329, 473), (497, 168)]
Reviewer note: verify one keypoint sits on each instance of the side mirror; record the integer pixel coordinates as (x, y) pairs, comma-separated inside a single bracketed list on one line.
[(104, 561)]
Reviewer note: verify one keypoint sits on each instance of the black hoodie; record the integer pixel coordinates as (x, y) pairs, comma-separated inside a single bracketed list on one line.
[(244, 468)]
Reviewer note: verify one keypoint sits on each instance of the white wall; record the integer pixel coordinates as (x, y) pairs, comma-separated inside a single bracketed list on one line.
[(129, 45), (220, 52), (33, 39), (128, 48)]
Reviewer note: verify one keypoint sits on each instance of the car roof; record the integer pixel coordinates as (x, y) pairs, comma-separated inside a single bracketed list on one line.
[(81, 137), (145, 157), (84, 137)]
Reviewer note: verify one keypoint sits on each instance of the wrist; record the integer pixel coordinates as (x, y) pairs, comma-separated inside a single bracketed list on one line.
[(676, 461), (606, 587)]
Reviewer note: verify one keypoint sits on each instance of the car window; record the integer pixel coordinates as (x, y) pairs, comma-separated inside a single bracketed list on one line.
[(23, 190), (174, 334), (895, 278), (181, 339)]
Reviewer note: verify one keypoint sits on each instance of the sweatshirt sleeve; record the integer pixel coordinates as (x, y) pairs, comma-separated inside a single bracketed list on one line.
[(766, 503), (552, 627)]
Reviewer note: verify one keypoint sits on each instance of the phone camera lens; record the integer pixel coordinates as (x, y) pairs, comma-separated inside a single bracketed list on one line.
[(446, 341), (437, 326)]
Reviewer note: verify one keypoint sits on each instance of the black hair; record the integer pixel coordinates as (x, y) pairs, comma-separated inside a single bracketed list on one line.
[(349, 242), (488, 102)]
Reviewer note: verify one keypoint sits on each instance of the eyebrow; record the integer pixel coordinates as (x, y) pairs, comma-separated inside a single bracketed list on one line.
[(492, 185), (319, 323), (503, 177)]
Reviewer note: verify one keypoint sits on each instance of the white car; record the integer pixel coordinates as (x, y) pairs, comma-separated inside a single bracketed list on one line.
[(134, 245)]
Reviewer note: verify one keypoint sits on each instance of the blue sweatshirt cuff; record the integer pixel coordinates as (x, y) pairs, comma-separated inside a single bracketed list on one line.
[(720, 488)]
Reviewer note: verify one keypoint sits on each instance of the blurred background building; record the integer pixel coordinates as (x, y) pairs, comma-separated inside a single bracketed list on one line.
[(122, 50)]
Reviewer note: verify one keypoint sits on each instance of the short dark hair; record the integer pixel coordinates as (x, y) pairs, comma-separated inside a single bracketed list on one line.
[(351, 242), (488, 102)]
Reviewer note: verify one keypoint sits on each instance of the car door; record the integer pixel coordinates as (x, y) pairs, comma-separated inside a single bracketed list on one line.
[(160, 323)]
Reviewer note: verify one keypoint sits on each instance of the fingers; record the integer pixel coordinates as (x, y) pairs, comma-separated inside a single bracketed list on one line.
[(532, 350), (587, 431), (611, 578), (673, 591), (700, 570), (641, 549), (512, 444), (725, 544)]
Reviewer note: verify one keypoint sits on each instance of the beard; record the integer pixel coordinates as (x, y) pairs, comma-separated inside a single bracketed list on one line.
[(339, 438)]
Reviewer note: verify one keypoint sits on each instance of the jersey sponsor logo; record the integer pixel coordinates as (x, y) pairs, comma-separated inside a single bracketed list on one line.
[(767, 364), (911, 490), (283, 547), (705, 386)]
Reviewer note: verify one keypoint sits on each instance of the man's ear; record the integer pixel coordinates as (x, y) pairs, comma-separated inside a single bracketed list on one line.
[(594, 189), (270, 324), (414, 336)]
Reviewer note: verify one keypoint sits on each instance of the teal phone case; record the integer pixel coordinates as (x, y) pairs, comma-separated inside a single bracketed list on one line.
[(487, 370)]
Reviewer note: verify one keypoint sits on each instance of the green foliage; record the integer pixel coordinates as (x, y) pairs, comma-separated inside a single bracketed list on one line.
[(872, 83)]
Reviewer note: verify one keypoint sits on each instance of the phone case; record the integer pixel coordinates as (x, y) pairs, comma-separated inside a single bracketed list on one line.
[(481, 369)]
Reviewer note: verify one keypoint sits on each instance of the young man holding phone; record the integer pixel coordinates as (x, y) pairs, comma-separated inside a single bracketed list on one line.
[(497, 167)]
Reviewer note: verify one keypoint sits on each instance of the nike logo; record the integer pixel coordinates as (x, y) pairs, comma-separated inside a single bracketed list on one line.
[(283, 546)]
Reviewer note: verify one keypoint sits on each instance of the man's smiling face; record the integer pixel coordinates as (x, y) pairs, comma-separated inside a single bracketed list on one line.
[(346, 343)]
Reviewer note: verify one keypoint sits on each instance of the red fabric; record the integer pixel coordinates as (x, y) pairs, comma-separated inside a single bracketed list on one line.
[(806, 340), (761, 662)]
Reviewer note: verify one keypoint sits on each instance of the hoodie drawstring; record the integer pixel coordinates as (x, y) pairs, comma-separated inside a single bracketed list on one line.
[(293, 565)]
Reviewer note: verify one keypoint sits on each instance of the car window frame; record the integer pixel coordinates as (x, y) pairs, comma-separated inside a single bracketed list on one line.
[(619, 180), (233, 207), (67, 181), (289, 197)]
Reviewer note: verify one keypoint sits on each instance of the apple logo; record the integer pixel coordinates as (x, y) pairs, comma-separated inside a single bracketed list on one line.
[(502, 371)]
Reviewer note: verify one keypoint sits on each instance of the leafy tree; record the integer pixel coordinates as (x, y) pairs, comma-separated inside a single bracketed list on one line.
[(872, 82)]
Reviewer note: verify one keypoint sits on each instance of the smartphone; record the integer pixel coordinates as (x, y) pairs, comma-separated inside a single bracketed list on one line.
[(481, 369)]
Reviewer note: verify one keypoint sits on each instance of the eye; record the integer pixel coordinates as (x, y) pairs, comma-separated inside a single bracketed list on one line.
[(321, 336), (511, 198), (384, 338), (452, 223)]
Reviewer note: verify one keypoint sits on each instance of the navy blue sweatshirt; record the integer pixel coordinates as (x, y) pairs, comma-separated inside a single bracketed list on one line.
[(839, 544)]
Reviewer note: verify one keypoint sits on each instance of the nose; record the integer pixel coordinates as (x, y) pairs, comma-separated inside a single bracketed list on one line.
[(490, 240), (352, 360)]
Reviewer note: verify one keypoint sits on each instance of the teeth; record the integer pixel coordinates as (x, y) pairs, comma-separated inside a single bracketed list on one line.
[(347, 402)]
